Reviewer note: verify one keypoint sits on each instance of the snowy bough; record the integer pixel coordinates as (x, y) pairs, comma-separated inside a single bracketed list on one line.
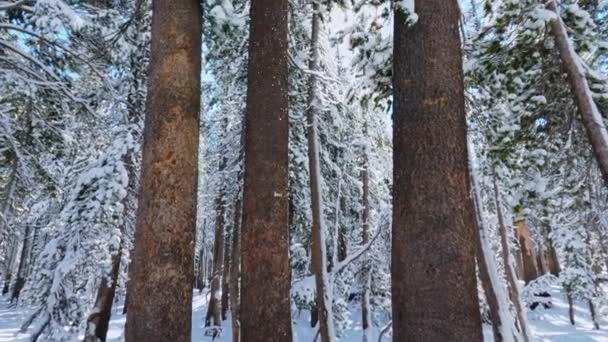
[(82, 240)]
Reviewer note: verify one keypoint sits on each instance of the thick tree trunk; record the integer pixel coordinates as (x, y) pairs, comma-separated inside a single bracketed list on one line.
[(527, 250), (522, 325), (265, 281), (213, 316), (160, 286), (318, 248), (98, 321), (590, 114), (235, 263), (434, 285)]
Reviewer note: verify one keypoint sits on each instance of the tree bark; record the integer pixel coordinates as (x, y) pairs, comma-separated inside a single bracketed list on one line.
[(20, 280), (213, 316), (98, 321), (509, 273), (160, 286), (366, 272), (318, 246), (527, 250), (226, 277), (265, 281), (590, 114), (235, 272), (434, 285)]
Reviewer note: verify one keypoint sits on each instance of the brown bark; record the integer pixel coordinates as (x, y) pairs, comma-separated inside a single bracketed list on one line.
[(521, 324), (318, 248), (98, 321), (482, 265), (550, 254), (434, 285), (213, 316), (265, 280), (527, 250), (235, 272), (590, 114), (161, 273)]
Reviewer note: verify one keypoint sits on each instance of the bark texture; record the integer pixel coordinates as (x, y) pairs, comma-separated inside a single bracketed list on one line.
[(318, 247), (434, 285), (527, 250), (521, 323), (23, 262), (213, 316), (590, 114), (265, 281), (161, 273), (98, 321), (235, 268)]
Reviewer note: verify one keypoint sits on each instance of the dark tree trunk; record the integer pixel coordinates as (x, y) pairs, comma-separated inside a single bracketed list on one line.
[(20, 281), (98, 321), (160, 286), (570, 307), (433, 254), (213, 316), (265, 280)]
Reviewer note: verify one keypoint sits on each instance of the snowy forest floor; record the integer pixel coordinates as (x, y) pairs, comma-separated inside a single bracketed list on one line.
[(546, 324)]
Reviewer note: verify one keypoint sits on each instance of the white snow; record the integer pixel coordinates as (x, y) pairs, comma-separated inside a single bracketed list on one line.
[(546, 325)]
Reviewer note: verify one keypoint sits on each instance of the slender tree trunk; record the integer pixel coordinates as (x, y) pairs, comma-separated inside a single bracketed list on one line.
[(265, 281), (160, 286), (235, 272), (98, 321), (366, 271), (527, 250), (591, 117), (596, 325), (213, 316), (226, 277), (509, 273), (20, 280), (570, 307), (434, 285), (318, 249)]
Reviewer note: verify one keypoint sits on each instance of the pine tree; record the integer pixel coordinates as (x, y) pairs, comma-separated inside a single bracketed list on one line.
[(433, 237), (160, 286)]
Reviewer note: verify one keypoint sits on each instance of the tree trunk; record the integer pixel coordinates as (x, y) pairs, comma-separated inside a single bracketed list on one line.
[(509, 273), (160, 286), (434, 285), (550, 254), (366, 271), (318, 248), (591, 117), (226, 277), (596, 325), (570, 307), (213, 316), (98, 321), (20, 280), (527, 250), (265, 281), (235, 272), (200, 275)]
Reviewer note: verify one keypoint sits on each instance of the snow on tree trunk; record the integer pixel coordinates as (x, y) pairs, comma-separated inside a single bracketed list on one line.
[(161, 271), (265, 281), (213, 317), (434, 286), (318, 229), (366, 271), (20, 280), (573, 66), (522, 323)]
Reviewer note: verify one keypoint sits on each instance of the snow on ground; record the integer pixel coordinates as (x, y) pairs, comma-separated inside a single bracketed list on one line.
[(547, 325)]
